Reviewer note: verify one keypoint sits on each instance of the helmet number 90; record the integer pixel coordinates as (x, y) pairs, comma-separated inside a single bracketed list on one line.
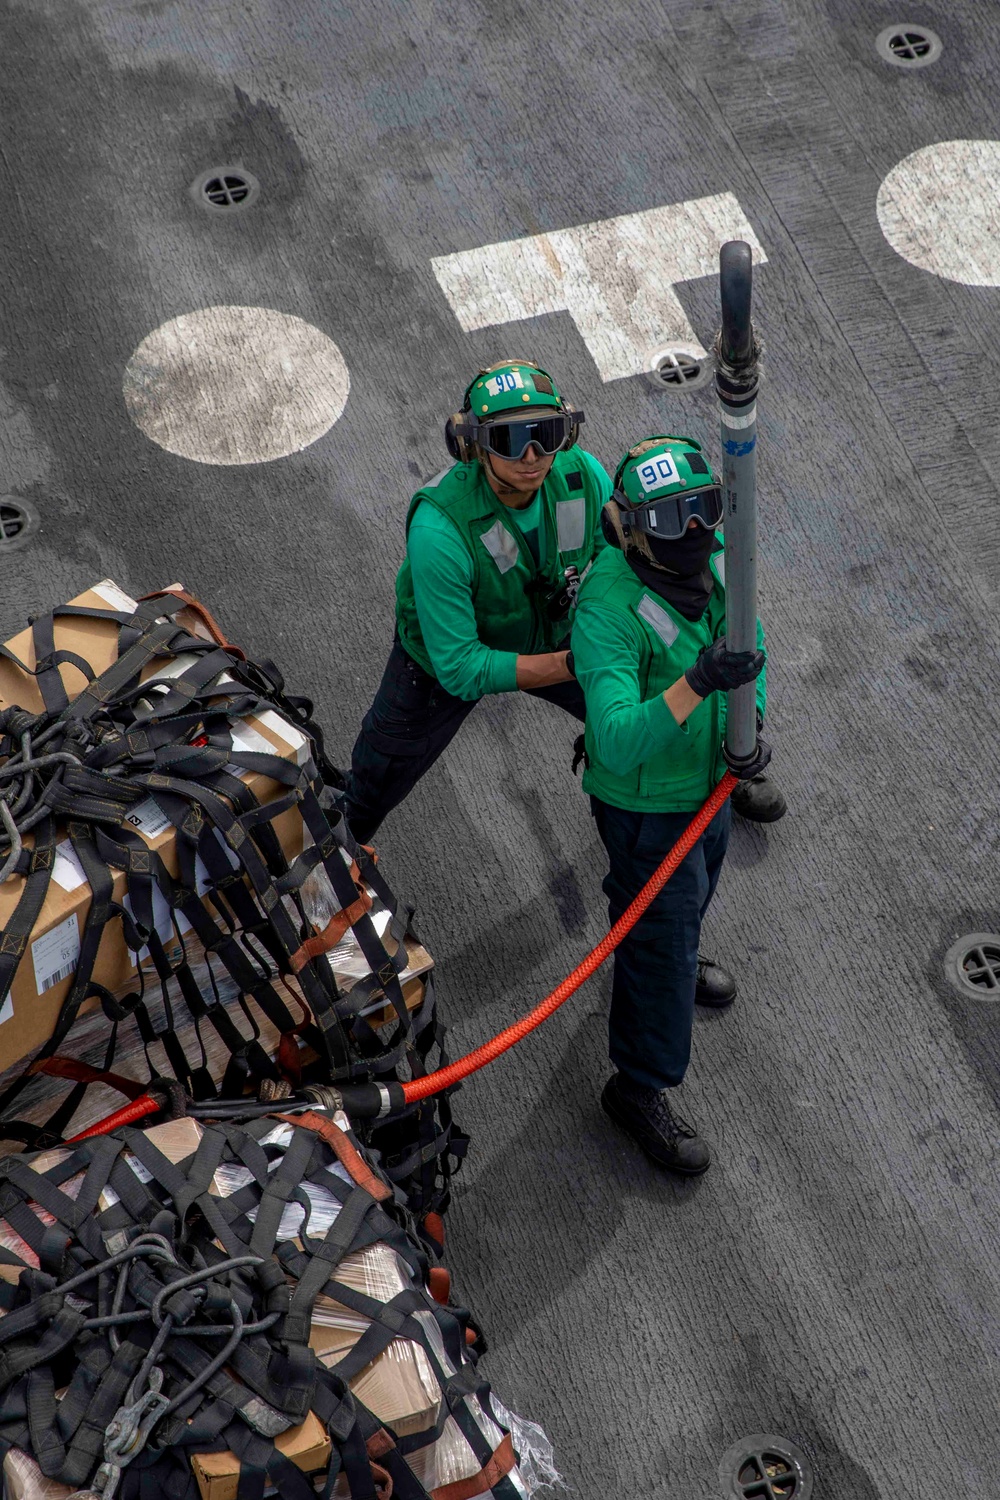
[(657, 471), (507, 380)]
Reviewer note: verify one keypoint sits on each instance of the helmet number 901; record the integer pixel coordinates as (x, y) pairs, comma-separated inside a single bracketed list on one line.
[(657, 471), (507, 380)]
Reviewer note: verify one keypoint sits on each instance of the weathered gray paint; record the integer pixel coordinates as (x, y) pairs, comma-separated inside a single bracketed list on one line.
[(738, 438)]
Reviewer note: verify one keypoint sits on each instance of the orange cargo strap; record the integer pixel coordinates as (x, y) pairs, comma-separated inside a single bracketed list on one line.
[(338, 924), (205, 615), (81, 1072), (499, 1466), (439, 1284), (346, 1154)]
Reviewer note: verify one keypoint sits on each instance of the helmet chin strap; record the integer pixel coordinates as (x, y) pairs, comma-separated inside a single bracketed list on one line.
[(507, 489)]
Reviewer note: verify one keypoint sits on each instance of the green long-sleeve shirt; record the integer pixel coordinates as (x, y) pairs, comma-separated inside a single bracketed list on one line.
[(629, 647), (442, 571)]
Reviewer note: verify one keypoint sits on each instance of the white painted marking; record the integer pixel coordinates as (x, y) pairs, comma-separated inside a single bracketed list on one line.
[(236, 385), (615, 277), (939, 209)]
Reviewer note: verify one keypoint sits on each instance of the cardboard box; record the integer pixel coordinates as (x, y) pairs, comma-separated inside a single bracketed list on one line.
[(307, 1445), (29, 1011), (399, 1386), (24, 1480)]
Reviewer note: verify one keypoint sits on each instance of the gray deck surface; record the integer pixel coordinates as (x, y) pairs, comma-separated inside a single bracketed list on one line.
[(834, 1277)]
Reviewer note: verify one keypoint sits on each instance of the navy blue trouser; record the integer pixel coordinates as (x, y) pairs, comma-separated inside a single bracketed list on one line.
[(408, 725), (652, 992)]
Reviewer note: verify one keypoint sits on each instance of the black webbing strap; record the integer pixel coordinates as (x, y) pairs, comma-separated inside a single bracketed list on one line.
[(15, 935)]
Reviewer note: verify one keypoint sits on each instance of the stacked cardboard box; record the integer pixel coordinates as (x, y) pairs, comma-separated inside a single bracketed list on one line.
[(399, 1386), (29, 1011)]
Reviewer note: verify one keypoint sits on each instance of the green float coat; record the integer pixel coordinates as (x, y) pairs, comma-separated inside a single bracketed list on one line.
[(629, 646), (483, 550)]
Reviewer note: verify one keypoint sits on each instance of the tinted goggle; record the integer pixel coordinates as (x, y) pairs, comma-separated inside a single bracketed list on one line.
[(513, 439), (669, 518)]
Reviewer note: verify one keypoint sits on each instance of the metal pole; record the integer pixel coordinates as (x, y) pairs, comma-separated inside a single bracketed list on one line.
[(736, 381)]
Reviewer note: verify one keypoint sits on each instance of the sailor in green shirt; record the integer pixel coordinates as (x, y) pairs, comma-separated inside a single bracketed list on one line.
[(650, 653), (495, 548)]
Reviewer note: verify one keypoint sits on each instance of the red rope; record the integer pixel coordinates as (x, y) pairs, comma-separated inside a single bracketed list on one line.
[(144, 1105), (420, 1088)]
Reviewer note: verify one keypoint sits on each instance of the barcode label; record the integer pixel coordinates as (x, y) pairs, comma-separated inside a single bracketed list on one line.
[(56, 954), (149, 818)]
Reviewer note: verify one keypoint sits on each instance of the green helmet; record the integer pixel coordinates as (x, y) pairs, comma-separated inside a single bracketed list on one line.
[(664, 483), (511, 404), (513, 385)]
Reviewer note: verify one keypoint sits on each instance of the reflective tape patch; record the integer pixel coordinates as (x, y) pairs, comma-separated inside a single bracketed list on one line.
[(742, 419), (501, 546), (720, 567), (654, 614), (571, 521)]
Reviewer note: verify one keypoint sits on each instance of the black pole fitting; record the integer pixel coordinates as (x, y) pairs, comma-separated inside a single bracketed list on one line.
[(736, 347), (361, 1101), (735, 288)]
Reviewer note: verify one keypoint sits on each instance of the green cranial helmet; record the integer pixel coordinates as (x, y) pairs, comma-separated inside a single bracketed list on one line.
[(513, 385), (664, 483), (505, 409)]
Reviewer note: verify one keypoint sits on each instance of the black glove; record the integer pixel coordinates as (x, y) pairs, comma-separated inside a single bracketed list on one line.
[(718, 670), (755, 767)]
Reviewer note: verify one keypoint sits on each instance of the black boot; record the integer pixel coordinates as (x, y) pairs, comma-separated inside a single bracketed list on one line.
[(715, 986), (758, 800), (645, 1114)]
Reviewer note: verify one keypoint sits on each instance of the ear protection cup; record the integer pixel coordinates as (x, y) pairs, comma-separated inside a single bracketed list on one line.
[(607, 530), (456, 438)]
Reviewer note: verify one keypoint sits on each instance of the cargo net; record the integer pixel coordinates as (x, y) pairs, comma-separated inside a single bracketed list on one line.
[(270, 960), (225, 1311)]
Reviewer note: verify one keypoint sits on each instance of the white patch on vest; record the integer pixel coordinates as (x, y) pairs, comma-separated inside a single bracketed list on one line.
[(938, 208), (615, 277), (571, 524), (654, 614), (235, 385), (501, 546), (430, 484), (719, 560)]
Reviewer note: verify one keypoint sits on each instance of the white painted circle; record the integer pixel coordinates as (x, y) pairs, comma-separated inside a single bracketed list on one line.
[(235, 385), (939, 209)]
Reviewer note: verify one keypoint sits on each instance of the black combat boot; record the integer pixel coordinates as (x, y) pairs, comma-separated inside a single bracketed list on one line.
[(647, 1117), (759, 800), (715, 986)]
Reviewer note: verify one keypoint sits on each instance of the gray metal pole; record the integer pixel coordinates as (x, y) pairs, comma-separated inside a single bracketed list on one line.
[(736, 383)]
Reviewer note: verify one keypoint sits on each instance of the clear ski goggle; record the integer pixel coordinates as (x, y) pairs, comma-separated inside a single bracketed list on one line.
[(669, 517)]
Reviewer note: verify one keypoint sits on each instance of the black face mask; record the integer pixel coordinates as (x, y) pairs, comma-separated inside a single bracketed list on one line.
[(681, 574)]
